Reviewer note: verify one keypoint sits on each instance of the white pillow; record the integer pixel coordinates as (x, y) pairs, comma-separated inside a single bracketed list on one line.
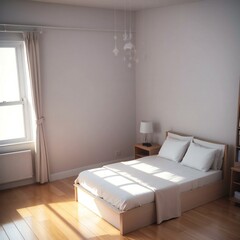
[(173, 149), (180, 137), (199, 157), (217, 163)]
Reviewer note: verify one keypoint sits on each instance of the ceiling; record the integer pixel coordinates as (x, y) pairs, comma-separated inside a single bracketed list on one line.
[(118, 4)]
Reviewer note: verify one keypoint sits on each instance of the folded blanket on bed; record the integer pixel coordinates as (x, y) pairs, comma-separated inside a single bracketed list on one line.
[(167, 203)]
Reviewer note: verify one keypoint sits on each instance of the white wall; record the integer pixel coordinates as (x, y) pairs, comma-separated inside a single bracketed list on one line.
[(189, 69), (88, 94), (186, 80)]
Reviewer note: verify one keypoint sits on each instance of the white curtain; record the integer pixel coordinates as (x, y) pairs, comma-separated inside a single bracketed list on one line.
[(41, 156)]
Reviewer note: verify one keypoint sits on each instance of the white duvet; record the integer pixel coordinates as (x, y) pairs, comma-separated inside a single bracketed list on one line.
[(127, 185)]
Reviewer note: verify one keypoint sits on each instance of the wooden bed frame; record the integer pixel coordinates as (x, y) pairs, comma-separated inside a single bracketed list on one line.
[(128, 221)]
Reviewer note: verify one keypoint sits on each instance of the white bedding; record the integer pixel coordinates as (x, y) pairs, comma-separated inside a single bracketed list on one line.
[(148, 170), (130, 184), (115, 189)]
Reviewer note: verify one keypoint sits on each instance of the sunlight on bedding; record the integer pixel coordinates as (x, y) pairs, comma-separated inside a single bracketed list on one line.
[(118, 180), (145, 168), (169, 176), (103, 173), (135, 189), (131, 162)]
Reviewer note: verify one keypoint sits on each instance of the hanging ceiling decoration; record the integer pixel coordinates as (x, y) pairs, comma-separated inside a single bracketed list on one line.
[(115, 50), (129, 49)]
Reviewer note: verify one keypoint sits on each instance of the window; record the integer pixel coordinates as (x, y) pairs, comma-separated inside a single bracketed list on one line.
[(15, 111)]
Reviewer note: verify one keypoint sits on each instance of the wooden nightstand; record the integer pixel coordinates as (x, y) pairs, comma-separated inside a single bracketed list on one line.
[(143, 151), (235, 183)]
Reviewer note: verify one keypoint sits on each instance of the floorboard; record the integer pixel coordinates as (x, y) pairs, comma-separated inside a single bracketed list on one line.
[(49, 211)]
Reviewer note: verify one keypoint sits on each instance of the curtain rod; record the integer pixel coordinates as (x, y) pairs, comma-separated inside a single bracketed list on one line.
[(15, 31), (40, 28)]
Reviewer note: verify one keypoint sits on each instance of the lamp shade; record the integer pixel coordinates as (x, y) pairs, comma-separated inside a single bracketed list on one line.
[(146, 127)]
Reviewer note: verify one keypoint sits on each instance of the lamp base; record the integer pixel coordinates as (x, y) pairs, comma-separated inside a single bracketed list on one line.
[(147, 144)]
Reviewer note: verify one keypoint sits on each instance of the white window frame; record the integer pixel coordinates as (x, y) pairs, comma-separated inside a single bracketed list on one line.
[(24, 86)]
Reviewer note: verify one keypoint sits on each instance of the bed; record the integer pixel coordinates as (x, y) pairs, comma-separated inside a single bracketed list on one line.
[(187, 173)]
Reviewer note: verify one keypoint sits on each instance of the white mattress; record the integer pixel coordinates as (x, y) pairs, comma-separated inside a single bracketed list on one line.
[(130, 184)]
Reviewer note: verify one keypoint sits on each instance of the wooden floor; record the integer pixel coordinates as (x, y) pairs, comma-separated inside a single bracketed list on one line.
[(50, 212)]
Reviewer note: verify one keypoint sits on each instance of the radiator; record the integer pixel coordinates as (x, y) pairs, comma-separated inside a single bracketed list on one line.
[(16, 166)]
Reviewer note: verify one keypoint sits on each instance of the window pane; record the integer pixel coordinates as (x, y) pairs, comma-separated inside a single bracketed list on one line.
[(11, 122), (9, 87)]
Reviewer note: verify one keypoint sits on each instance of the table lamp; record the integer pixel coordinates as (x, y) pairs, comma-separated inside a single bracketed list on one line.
[(146, 128)]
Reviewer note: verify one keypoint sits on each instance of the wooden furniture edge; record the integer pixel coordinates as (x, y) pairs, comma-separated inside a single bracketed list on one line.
[(75, 185), (234, 184), (154, 146)]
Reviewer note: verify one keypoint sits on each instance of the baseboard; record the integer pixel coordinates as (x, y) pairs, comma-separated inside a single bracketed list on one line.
[(76, 171)]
